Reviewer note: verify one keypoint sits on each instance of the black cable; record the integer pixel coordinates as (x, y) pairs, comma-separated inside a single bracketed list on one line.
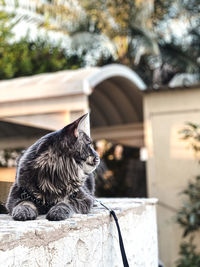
[(123, 253), (121, 244)]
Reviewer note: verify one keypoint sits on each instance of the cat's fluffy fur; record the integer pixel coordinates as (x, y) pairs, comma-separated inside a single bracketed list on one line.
[(55, 176)]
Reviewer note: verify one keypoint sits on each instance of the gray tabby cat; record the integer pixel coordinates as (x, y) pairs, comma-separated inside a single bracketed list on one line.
[(54, 175)]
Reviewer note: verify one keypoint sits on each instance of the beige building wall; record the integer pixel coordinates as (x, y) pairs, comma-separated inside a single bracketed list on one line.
[(170, 163)]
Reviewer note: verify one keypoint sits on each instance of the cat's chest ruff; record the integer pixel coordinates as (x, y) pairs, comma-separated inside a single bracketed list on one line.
[(74, 184)]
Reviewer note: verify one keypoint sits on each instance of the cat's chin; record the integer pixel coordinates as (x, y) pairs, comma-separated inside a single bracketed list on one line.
[(88, 168)]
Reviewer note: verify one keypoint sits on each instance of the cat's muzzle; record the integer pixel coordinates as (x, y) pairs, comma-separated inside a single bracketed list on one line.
[(96, 160), (93, 161)]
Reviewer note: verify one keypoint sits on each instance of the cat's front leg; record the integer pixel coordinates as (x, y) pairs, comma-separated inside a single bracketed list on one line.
[(82, 201), (79, 202), (60, 211), (24, 211), (18, 209)]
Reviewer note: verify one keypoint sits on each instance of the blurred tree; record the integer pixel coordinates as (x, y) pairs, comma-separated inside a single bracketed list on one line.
[(31, 57), (188, 216), (176, 24), (143, 39), (28, 58), (140, 34), (118, 31), (5, 26)]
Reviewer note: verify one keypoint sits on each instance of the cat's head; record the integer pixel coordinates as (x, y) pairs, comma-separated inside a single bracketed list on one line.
[(72, 142), (76, 142)]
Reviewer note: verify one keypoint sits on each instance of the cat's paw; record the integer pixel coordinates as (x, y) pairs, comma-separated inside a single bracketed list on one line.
[(23, 213), (58, 213)]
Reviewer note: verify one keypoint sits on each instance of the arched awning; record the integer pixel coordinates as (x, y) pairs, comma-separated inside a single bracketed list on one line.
[(112, 93), (116, 96)]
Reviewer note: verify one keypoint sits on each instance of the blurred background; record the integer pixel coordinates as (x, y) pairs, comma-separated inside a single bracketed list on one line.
[(135, 65)]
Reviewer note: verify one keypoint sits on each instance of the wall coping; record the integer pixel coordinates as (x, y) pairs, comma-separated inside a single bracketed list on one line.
[(14, 232), (34, 241)]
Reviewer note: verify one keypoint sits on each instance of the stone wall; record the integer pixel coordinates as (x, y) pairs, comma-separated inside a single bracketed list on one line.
[(83, 240)]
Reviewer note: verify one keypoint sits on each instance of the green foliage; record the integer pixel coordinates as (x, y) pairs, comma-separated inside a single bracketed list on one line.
[(191, 133), (5, 27), (27, 58), (188, 217), (189, 256)]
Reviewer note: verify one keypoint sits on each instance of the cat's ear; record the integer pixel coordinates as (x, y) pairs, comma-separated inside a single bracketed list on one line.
[(83, 125)]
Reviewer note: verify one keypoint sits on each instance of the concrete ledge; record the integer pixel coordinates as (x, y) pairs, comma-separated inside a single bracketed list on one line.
[(83, 240)]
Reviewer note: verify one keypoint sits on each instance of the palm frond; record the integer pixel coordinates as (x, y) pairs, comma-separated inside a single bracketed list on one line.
[(180, 59)]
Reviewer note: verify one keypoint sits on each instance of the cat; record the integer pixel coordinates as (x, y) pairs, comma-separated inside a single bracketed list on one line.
[(54, 176)]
